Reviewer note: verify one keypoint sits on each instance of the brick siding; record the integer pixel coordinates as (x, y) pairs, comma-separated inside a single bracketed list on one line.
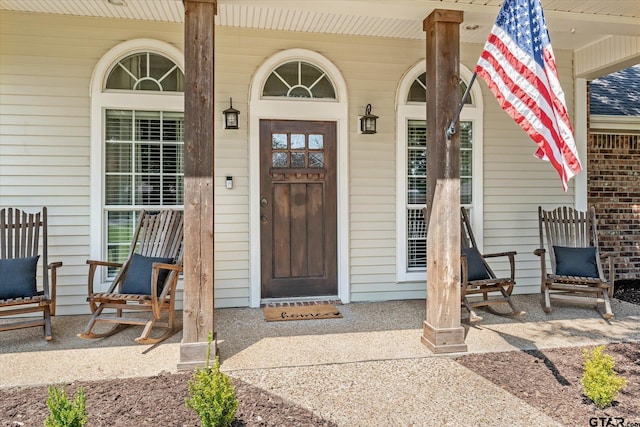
[(614, 189)]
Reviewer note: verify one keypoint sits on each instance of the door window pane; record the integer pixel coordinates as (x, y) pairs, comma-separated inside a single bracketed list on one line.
[(279, 141), (316, 142), (298, 160), (297, 142), (280, 160), (316, 160)]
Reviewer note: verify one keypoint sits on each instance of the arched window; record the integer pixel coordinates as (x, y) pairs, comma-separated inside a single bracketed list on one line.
[(298, 79), (146, 71), (137, 141), (412, 167), (418, 90)]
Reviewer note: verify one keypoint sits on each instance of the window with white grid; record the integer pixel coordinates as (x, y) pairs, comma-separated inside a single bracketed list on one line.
[(144, 169), (416, 172), (412, 155), (142, 144)]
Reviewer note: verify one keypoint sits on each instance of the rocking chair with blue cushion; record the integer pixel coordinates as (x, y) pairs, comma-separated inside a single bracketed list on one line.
[(145, 283), (570, 238), (477, 277), (21, 249)]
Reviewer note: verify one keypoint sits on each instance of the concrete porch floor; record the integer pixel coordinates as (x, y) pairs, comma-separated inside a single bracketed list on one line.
[(375, 343)]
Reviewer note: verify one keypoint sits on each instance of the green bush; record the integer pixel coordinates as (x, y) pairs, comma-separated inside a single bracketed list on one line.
[(63, 412), (212, 395), (599, 382)]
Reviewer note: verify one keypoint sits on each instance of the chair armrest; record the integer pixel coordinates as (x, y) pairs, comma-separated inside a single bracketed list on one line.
[(512, 260), (103, 263), (53, 266), (169, 286), (164, 266), (541, 252), (498, 254), (609, 258), (464, 273), (157, 266), (93, 265)]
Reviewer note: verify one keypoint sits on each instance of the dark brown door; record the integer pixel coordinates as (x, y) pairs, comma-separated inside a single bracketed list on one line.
[(298, 208)]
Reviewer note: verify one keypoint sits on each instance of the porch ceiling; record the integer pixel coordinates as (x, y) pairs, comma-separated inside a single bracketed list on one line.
[(573, 24)]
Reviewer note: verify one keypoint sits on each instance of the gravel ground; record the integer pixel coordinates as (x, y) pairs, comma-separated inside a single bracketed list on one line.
[(351, 394)]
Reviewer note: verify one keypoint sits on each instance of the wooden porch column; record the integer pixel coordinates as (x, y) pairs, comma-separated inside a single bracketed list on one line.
[(442, 331), (199, 30)]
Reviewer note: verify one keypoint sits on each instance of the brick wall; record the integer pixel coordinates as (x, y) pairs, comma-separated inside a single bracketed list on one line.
[(614, 189)]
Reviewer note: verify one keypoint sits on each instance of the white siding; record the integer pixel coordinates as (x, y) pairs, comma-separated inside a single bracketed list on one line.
[(612, 54), (46, 63)]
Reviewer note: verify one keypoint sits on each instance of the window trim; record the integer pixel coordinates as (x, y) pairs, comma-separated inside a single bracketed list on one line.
[(417, 111), (100, 101)]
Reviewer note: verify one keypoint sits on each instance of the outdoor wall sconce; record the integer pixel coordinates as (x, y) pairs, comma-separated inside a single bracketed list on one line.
[(231, 117), (368, 121)]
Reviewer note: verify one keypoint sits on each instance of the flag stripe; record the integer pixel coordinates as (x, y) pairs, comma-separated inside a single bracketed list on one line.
[(540, 109), (523, 107), (519, 67)]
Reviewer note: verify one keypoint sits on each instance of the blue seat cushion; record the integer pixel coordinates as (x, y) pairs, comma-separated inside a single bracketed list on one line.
[(18, 277), (138, 278), (475, 267), (580, 262)]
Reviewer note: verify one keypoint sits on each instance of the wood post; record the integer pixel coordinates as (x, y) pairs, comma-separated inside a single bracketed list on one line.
[(442, 331), (199, 31)]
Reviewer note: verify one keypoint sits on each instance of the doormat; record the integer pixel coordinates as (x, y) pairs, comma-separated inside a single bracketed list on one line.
[(301, 312)]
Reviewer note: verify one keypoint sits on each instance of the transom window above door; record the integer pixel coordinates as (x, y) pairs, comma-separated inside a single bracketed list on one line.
[(299, 79)]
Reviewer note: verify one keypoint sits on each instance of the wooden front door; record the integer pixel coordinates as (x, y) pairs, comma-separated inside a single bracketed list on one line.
[(298, 208)]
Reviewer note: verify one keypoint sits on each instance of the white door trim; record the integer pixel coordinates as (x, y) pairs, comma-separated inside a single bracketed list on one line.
[(299, 109)]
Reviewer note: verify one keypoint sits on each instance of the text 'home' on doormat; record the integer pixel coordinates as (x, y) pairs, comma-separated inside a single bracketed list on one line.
[(304, 312)]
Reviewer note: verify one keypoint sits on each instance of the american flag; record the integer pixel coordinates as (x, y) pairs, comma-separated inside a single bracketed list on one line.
[(518, 65)]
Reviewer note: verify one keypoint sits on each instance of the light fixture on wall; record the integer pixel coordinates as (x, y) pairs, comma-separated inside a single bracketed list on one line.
[(117, 2), (231, 116), (368, 121)]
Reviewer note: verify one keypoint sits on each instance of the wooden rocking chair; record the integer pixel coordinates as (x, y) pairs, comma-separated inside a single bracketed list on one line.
[(19, 255), (478, 278), (146, 281), (576, 276)]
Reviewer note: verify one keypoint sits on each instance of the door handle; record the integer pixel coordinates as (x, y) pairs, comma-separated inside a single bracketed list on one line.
[(263, 219), (263, 202)]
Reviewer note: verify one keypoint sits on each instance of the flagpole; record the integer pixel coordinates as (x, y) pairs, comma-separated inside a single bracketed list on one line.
[(452, 126)]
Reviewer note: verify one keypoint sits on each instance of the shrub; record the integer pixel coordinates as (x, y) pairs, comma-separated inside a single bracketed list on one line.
[(599, 382), (212, 395), (63, 412)]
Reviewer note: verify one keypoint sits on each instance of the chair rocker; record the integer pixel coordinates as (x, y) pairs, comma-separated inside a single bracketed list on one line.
[(571, 238), (478, 277), (145, 283), (20, 234)]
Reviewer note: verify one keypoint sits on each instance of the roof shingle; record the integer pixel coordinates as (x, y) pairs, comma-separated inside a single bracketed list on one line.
[(617, 94)]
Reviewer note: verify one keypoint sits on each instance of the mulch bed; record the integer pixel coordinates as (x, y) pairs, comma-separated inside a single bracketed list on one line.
[(156, 401), (627, 290), (546, 379)]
